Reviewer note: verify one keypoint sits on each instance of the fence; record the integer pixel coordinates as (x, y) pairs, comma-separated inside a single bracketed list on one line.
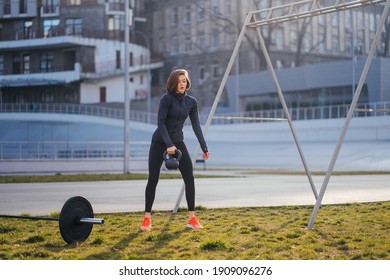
[(23, 150), (305, 113)]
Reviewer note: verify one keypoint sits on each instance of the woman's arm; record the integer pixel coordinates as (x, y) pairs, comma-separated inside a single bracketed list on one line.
[(163, 109)]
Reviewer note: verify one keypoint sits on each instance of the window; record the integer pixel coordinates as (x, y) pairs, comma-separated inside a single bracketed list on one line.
[(7, 7), (372, 23), (215, 69), (28, 30), (74, 2), (22, 6), (200, 10), (188, 44), (201, 41), (175, 16), (1, 64), (175, 45), (115, 22), (348, 20), (47, 97), (16, 64), (73, 26), (201, 73), (321, 20), (215, 39), (228, 39), (360, 20), (187, 14), (131, 59), (321, 46), (26, 63), (214, 7), (279, 39), (335, 19), (335, 44), (161, 45), (103, 94), (228, 7), (118, 60), (293, 39), (50, 6), (47, 61), (49, 27), (307, 44)]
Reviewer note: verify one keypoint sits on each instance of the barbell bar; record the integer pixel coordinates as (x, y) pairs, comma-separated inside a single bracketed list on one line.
[(75, 222)]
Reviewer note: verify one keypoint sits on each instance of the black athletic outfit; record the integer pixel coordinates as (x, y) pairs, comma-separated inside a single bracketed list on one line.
[(172, 112)]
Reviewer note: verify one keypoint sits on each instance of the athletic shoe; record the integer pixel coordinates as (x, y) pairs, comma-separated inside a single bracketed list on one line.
[(194, 223), (146, 224)]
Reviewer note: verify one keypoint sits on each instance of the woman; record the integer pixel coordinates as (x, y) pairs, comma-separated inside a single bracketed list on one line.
[(174, 108)]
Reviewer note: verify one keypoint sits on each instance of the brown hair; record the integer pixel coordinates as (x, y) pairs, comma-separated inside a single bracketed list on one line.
[(173, 79)]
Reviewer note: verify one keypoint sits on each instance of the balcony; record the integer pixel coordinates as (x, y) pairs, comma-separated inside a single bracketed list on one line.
[(59, 31), (34, 77)]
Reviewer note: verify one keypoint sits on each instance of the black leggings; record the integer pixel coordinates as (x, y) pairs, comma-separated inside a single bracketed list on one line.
[(186, 169)]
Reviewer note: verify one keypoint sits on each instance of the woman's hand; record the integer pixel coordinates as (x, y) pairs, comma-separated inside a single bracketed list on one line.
[(205, 155), (171, 150)]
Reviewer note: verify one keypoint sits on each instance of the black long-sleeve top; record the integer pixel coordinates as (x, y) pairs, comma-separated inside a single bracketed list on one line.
[(172, 112)]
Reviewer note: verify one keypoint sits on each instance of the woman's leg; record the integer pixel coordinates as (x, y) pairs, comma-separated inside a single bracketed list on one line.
[(155, 161), (186, 170)]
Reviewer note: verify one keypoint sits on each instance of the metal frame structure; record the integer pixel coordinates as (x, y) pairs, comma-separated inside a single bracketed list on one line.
[(290, 12)]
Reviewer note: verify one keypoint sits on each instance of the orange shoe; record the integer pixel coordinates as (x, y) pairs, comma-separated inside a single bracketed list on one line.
[(194, 223), (146, 224)]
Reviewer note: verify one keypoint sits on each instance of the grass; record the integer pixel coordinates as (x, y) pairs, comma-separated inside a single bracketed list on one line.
[(342, 232)]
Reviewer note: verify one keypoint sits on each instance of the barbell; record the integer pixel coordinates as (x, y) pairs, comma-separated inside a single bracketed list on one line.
[(75, 222)]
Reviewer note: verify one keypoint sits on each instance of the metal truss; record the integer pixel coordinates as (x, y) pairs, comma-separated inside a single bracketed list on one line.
[(286, 13), (304, 9)]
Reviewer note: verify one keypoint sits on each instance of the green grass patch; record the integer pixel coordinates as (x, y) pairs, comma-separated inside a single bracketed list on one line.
[(358, 231)]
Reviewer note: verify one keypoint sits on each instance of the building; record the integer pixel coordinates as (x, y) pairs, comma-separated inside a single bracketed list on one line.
[(200, 36), (69, 51), (72, 51)]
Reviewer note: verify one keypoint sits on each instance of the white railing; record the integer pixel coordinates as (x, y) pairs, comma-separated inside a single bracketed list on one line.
[(305, 113), (308, 113), (72, 150)]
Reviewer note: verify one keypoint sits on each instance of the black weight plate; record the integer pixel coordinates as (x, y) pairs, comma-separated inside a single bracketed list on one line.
[(70, 228)]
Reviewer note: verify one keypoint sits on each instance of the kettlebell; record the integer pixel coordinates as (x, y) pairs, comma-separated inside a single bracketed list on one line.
[(172, 161)]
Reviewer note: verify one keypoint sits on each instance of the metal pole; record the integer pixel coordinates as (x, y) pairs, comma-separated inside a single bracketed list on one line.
[(353, 52), (126, 93), (350, 113)]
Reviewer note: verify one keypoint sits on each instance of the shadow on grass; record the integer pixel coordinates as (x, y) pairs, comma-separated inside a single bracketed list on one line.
[(158, 239)]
